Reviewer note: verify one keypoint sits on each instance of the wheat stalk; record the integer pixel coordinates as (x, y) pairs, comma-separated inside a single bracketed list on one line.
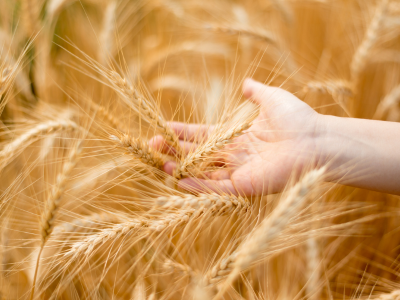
[(53, 203), (390, 100), (214, 143), (28, 137), (372, 34), (139, 149), (146, 110), (271, 227), (313, 268)]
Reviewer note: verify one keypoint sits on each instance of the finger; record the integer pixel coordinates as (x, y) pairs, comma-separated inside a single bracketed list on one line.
[(196, 185), (169, 167), (191, 132), (261, 94), (158, 143)]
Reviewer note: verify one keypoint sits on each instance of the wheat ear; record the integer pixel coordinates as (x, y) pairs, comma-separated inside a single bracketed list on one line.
[(270, 228), (359, 58), (390, 100), (146, 109), (216, 205), (53, 203), (214, 143), (109, 117), (85, 222), (25, 139), (139, 149)]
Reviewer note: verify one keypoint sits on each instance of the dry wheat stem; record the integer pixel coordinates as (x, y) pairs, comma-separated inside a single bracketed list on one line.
[(139, 149), (24, 140), (146, 110), (260, 238), (255, 34), (214, 204), (313, 268), (202, 153), (53, 203), (372, 34), (392, 99)]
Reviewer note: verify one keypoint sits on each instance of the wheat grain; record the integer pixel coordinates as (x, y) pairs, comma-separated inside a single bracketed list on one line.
[(146, 110), (140, 150), (259, 239), (214, 143), (106, 114), (5, 75), (372, 34)]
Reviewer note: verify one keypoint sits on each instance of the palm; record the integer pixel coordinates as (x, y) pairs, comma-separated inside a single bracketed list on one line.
[(279, 141)]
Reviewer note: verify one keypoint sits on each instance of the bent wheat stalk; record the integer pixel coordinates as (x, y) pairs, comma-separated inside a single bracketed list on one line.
[(139, 149), (53, 204), (372, 34), (216, 142), (261, 237)]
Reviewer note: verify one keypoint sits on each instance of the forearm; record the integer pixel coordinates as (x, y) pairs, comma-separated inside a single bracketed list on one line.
[(362, 153)]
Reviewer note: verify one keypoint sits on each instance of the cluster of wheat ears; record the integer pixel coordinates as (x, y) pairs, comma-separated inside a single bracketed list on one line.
[(86, 209)]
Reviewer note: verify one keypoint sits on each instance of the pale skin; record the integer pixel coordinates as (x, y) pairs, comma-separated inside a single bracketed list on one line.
[(289, 137)]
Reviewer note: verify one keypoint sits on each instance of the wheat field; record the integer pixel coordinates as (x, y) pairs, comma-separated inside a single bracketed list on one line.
[(87, 210)]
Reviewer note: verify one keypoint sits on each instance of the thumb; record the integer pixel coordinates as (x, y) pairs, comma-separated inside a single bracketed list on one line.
[(261, 94)]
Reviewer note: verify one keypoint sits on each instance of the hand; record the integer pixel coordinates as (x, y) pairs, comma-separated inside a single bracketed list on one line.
[(282, 139)]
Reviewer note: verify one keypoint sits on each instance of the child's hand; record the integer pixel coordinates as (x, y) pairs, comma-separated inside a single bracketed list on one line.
[(283, 138)]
